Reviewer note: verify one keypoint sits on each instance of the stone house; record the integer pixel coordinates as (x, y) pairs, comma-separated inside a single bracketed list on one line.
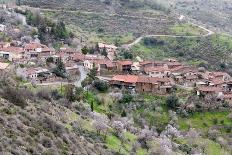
[(12, 53), (124, 65), (161, 71), (153, 85)]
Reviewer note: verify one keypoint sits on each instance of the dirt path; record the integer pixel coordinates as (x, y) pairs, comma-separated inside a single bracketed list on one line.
[(136, 41)]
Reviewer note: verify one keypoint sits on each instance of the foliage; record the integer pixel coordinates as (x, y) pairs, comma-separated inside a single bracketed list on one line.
[(126, 54), (127, 98), (60, 70), (15, 96), (101, 86), (172, 102), (85, 50), (69, 93)]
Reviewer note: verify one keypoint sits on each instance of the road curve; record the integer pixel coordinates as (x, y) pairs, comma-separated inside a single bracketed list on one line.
[(136, 41)]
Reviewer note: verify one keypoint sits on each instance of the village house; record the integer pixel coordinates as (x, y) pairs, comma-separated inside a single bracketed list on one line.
[(32, 73), (207, 91), (143, 84), (124, 65), (161, 71), (109, 48), (100, 64), (36, 50), (126, 81), (148, 64), (78, 57), (220, 75), (153, 85), (12, 53), (88, 64)]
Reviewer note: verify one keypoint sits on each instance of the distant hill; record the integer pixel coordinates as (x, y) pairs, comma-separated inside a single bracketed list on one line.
[(215, 13)]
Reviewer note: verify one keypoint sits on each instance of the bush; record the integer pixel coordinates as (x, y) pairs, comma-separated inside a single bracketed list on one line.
[(127, 98), (79, 93), (44, 94), (56, 95), (172, 102), (101, 85), (15, 96), (69, 93)]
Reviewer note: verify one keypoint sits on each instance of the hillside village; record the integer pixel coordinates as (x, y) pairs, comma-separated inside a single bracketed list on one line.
[(101, 98), (157, 77)]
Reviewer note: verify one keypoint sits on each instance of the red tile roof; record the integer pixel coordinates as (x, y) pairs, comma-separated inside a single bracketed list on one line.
[(106, 62), (33, 46), (210, 89), (12, 49), (156, 69), (125, 78), (125, 62), (153, 80), (139, 79)]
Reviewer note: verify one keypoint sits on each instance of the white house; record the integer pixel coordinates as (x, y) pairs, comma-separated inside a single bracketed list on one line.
[(88, 64), (30, 73)]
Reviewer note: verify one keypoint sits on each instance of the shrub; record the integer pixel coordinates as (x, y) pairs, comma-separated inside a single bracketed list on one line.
[(172, 102), (15, 96), (215, 121), (56, 95), (68, 93), (123, 114), (127, 98), (46, 142), (101, 85), (44, 94)]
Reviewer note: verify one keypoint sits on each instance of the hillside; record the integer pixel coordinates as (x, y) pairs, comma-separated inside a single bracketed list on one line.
[(212, 52), (214, 13)]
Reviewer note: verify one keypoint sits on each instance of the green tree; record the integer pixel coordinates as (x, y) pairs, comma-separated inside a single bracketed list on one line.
[(85, 50), (172, 101), (104, 52), (101, 85), (97, 48), (59, 30), (60, 70)]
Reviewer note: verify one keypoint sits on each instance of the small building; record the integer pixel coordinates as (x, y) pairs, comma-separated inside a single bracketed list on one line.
[(160, 72), (36, 50), (109, 48), (88, 64), (124, 65), (153, 85), (32, 73), (12, 53), (126, 81), (206, 91)]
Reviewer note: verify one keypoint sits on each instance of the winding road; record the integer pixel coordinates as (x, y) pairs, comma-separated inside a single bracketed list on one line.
[(136, 41)]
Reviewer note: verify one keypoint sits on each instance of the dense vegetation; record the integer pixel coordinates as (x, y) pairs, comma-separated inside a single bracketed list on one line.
[(48, 31)]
